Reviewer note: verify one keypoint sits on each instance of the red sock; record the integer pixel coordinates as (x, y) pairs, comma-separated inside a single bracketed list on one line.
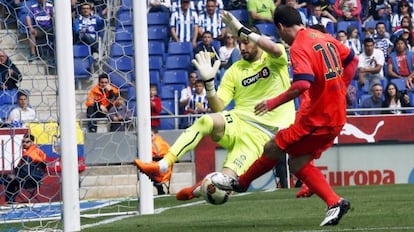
[(316, 181), (258, 168)]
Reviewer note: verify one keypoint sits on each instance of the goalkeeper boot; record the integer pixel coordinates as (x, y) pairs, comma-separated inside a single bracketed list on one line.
[(228, 183), (152, 170), (335, 213), (304, 191), (189, 192)]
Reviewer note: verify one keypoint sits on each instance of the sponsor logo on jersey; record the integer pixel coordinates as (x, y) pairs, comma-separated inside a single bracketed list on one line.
[(264, 73)]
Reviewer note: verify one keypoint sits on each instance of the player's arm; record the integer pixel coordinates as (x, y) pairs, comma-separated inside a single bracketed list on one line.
[(296, 89), (244, 33)]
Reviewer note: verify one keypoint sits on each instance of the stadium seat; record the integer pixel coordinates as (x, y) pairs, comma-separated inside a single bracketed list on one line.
[(156, 48), (8, 97), (180, 48), (167, 91), (268, 29), (131, 93), (167, 124), (158, 33), (158, 18), (121, 80), (178, 62), (155, 77), (5, 110), (330, 28), (82, 68), (124, 17), (175, 77), (81, 51), (126, 3), (156, 63), (400, 83), (242, 15), (168, 107), (118, 50), (373, 24), (362, 98), (123, 36), (123, 63), (343, 25)]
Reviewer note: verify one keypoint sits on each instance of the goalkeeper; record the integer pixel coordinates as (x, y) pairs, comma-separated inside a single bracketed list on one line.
[(262, 73)]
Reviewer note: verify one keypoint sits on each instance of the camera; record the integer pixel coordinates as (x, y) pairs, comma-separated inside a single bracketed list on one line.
[(404, 92)]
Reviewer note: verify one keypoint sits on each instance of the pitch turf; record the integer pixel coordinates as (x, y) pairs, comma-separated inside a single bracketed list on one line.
[(374, 208)]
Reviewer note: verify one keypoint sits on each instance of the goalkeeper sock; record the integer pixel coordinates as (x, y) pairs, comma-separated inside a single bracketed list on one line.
[(316, 181), (189, 139), (258, 168)]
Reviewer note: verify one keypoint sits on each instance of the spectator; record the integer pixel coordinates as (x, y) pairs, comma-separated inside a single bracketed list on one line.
[(159, 6), (379, 10), (186, 94), (29, 171), (400, 62), (347, 10), (100, 100), (326, 5), (40, 24), (260, 11), (319, 16), (403, 9), (87, 28), (229, 53), (119, 115), (353, 36), (198, 103), (98, 7), (342, 36), (382, 39), (371, 62), (394, 99), (10, 74), (374, 101), (209, 20), (405, 34), (156, 107), (23, 112), (294, 4), (202, 5), (184, 24), (159, 149), (206, 45), (351, 99), (176, 5)]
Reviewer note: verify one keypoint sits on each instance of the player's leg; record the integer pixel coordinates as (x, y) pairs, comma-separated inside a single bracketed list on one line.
[(211, 124)]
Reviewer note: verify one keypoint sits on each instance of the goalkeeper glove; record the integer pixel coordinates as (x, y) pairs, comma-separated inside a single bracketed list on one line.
[(236, 28), (202, 62)]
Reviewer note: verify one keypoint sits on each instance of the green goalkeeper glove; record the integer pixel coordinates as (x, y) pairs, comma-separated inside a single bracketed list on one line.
[(236, 28)]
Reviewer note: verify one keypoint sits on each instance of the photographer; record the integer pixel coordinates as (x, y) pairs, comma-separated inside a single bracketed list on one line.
[(100, 100), (395, 99)]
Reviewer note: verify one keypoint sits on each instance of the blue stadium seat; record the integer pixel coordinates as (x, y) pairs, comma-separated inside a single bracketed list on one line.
[(81, 51), (158, 33), (268, 29), (156, 48), (82, 68), (373, 24), (400, 83), (8, 97), (330, 28), (343, 25), (362, 98), (123, 36), (5, 110), (180, 48), (126, 3), (123, 63), (124, 17), (155, 63), (131, 93), (168, 107), (242, 15), (121, 50), (178, 62), (158, 18), (121, 80), (175, 77), (167, 124), (167, 91), (155, 77)]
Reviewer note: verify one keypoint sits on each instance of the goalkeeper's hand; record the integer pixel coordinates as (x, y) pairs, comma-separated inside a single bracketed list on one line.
[(202, 62), (236, 28)]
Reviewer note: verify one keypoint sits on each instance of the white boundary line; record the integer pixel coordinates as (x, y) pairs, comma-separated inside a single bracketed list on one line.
[(357, 229)]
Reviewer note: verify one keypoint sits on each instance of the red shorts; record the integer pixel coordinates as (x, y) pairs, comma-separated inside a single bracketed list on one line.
[(297, 140)]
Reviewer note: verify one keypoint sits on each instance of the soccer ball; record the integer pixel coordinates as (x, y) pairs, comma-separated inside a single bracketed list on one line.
[(211, 193)]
